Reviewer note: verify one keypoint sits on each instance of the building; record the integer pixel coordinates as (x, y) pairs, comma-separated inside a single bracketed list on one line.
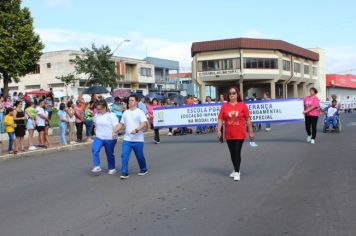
[(258, 65), (343, 86), (135, 74), (164, 84)]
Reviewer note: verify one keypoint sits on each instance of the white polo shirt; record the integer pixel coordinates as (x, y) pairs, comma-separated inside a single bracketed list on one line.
[(39, 120), (132, 120)]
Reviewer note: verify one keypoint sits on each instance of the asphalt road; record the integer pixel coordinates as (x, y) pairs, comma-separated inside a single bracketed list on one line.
[(287, 187)]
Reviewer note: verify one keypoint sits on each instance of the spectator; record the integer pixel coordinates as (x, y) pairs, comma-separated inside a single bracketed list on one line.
[(10, 128), (62, 123), (266, 97), (47, 141), (88, 121), (30, 114), (71, 123), (20, 129), (169, 103), (2, 116), (79, 121), (151, 117), (41, 122), (142, 105), (49, 106), (15, 97), (116, 108)]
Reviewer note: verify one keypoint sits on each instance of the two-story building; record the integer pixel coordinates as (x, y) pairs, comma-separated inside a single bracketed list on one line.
[(135, 74), (257, 66)]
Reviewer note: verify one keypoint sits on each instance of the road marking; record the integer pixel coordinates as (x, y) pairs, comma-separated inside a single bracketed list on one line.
[(351, 124)]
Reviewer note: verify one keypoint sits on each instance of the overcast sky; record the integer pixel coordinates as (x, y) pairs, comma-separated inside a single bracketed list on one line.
[(166, 29)]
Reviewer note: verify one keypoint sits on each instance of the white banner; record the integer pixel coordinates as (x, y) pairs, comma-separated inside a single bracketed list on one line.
[(263, 111), (343, 104)]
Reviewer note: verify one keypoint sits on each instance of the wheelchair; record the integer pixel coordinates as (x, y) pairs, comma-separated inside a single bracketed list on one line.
[(330, 128)]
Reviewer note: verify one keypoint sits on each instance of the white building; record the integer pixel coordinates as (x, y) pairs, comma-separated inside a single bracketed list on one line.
[(258, 66), (136, 74)]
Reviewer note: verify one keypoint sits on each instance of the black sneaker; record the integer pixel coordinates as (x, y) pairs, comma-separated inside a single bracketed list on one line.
[(124, 176)]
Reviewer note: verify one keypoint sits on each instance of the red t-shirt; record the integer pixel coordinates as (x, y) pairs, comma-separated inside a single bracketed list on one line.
[(234, 117)]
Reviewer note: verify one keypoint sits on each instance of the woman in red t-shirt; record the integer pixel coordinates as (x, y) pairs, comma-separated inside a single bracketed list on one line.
[(235, 115)]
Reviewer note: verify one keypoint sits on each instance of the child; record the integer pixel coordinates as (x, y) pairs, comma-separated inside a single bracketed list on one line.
[(331, 115), (10, 128)]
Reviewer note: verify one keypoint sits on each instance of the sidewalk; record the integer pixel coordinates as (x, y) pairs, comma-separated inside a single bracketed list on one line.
[(55, 146)]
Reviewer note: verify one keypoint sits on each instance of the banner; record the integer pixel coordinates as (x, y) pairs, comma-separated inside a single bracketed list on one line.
[(262, 111), (345, 104)]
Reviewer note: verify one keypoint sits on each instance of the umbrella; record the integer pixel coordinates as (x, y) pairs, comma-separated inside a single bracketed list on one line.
[(178, 99), (38, 92), (121, 93), (151, 96), (96, 90), (138, 95)]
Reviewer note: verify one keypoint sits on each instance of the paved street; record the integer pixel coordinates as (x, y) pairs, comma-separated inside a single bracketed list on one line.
[(288, 187)]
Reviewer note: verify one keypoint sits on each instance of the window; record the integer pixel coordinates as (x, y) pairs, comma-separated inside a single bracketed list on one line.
[(49, 65), (146, 72), (142, 86), (57, 85), (315, 71), (286, 65), (127, 86), (32, 86), (296, 67), (306, 69), (216, 65), (260, 63), (37, 69)]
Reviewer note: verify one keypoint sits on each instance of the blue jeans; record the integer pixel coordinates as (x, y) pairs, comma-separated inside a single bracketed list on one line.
[(109, 146), (332, 120), (11, 140), (201, 129), (62, 132), (89, 127), (127, 147), (268, 125)]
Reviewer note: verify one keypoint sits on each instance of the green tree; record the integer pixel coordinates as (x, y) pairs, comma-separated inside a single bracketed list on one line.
[(97, 64), (68, 80), (20, 46)]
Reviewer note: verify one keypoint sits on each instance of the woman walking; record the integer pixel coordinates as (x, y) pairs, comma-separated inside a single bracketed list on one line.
[(105, 122), (20, 130), (235, 114), (30, 114), (311, 112), (150, 115)]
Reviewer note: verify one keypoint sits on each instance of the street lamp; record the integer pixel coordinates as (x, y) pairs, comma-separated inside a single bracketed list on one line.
[(124, 41)]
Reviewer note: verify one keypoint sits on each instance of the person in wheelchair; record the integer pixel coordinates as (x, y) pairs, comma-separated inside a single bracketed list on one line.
[(332, 113)]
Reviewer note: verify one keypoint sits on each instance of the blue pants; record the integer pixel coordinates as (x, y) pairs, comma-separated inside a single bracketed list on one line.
[(62, 132), (89, 127), (126, 153), (109, 146), (11, 140), (332, 120), (268, 125)]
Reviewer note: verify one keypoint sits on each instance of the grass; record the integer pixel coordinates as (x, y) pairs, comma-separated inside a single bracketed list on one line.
[(54, 119)]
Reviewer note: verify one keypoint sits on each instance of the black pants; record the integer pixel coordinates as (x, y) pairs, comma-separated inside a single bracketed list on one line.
[(170, 130), (235, 147), (310, 125), (156, 138), (79, 127)]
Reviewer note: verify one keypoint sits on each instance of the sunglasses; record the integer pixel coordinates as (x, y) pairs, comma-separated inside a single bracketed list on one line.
[(232, 93)]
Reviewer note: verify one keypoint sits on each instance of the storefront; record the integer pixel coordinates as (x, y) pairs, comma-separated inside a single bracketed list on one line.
[(343, 86)]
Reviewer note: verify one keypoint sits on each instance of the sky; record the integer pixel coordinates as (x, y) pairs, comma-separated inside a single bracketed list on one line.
[(166, 29)]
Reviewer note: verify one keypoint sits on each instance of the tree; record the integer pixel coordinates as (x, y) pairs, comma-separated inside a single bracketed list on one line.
[(20, 46), (68, 80), (97, 64)]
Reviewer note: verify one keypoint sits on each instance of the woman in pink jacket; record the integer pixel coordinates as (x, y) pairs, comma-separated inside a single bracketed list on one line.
[(311, 112)]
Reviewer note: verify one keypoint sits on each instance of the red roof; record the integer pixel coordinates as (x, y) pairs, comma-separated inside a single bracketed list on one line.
[(345, 81), (249, 43)]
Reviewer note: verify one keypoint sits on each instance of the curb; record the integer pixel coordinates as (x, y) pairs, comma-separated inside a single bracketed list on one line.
[(70, 147)]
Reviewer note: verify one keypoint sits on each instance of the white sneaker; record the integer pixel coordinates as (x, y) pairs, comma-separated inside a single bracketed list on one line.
[(237, 176), (124, 176), (268, 129), (309, 139), (312, 141), (170, 134), (232, 174), (112, 172), (32, 148), (156, 142), (142, 173), (96, 169), (73, 142)]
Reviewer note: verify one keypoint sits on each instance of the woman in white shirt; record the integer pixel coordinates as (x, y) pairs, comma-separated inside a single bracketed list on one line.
[(105, 122)]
